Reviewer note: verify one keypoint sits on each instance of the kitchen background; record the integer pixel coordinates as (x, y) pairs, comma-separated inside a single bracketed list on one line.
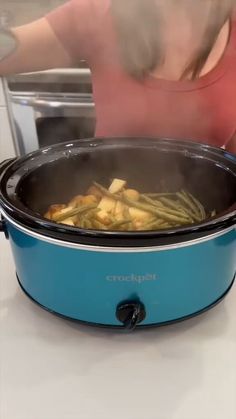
[(40, 109), (18, 12)]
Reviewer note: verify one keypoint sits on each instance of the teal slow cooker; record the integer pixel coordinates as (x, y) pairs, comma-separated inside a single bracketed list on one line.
[(121, 279)]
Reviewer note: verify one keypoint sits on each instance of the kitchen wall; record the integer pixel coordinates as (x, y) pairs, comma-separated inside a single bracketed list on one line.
[(15, 13), (18, 12)]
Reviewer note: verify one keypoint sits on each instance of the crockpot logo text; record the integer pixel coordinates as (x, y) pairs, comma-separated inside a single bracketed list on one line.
[(131, 278)]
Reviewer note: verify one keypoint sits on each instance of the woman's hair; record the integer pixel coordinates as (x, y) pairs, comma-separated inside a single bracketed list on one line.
[(138, 25)]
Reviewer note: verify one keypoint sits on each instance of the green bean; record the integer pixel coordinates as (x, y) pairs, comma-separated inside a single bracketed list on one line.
[(82, 222), (99, 226), (126, 213), (73, 212), (175, 206), (109, 194), (156, 221), (169, 206), (170, 203), (117, 224), (130, 227), (151, 209), (155, 224), (105, 191), (87, 223), (153, 202), (155, 211), (91, 213), (194, 218), (199, 206), (112, 218), (185, 199), (180, 213), (139, 205), (160, 194), (188, 212), (168, 211)]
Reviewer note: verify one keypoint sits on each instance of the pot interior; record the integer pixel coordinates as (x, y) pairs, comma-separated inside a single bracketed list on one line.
[(159, 167)]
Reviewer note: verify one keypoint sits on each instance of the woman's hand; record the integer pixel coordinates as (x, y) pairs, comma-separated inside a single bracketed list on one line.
[(37, 48)]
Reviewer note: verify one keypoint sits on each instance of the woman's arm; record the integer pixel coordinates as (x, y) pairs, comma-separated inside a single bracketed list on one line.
[(37, 49), (231, 146)]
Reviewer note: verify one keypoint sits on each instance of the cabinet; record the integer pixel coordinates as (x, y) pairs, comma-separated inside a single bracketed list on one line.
[(6, 141), (2, 99)]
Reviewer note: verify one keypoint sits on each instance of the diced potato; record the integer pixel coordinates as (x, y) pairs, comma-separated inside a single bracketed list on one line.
[(138, 225), (119, 207), (76, 201), (117, 185), (103, 217), (53, 209), (107, 204), (68, 222), (61, 212), (93, 190), (131, 194), (98, 225), (83, 200), (88, 200), (75, 219), (139, 215), (119, 211)]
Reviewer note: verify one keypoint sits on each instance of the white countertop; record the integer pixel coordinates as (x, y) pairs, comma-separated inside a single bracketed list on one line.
[(54, 369)]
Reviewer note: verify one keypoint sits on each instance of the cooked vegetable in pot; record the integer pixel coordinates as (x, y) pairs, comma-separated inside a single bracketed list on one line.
[(122, 209)]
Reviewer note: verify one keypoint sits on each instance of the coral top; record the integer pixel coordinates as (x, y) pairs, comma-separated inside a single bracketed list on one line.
[(203, 110)]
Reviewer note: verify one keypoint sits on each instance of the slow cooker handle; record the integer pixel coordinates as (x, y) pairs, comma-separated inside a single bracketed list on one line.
[(3, 227), (130, 313), (5, 163)]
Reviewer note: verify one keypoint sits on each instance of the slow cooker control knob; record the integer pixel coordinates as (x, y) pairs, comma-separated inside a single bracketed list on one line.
[(130, 313)]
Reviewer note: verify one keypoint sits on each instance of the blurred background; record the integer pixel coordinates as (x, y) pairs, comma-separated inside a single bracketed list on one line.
[(18, 12)]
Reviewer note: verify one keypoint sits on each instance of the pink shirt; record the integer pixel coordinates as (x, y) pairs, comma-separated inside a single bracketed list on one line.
[(203, 110)]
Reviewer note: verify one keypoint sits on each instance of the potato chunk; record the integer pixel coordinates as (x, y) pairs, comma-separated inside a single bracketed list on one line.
[(107, 204), (117, 185), (53, 209), (131, 194), (89, 200), (103, 217), (69, 222), (139, 215), (120, 211), (76, 201), (93, 190)]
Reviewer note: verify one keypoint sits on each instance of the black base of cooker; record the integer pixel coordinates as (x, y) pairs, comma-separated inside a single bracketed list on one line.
[(144, 326)]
